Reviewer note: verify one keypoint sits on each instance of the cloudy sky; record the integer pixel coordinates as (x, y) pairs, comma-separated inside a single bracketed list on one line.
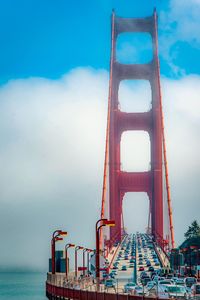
[(54, 70)]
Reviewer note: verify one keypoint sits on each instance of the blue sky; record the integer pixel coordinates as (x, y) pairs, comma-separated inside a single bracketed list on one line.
[(54, 66), (47, 38)]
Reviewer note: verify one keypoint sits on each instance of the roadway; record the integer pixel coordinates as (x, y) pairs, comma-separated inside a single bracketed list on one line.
[(135, 255)]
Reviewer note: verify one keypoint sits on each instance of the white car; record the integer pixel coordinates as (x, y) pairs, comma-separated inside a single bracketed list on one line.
[(171, 291), (175, 291), (165, 281)]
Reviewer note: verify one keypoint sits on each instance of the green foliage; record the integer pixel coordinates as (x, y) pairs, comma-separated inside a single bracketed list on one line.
[(193, 230)]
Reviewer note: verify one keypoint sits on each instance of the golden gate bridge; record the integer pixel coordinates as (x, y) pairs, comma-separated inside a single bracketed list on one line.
[(112, 242)]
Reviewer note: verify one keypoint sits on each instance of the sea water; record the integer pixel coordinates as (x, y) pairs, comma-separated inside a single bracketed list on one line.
[(22, 286)]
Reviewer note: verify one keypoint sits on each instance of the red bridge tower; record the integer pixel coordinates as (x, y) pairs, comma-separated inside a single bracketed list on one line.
[(122, 182)]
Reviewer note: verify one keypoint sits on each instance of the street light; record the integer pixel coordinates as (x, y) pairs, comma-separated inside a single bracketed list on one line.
[(66, 258), (55, 237), (99, 224), (88, 260), (76, 249), (84, 250)]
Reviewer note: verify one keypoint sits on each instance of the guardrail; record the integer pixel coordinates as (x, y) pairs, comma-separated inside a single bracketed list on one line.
[(162, 256), (54, 292)]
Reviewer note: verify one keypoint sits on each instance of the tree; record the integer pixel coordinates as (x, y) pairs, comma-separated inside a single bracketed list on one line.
[(193, 230)]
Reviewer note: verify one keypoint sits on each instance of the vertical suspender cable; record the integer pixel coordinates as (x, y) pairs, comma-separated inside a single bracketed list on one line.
[(123, 228), (149, 218), (105, 174), (164, 143)]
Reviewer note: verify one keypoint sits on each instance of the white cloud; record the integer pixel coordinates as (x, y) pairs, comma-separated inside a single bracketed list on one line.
[(52, 151), (179, 23)]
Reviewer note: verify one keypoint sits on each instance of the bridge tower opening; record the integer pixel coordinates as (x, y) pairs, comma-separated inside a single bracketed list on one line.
[(135, 209)]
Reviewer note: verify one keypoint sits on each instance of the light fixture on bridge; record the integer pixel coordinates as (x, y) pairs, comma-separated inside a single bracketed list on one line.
[(76, 250), (67, 246), (99, 224), (56, 236)]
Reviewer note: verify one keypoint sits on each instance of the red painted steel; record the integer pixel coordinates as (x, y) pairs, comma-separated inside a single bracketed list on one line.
[(54, 291), (106, 160), (171, 227), (151, 121)]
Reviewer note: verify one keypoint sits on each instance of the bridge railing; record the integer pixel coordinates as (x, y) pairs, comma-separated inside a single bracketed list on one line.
[(53, 292), (163, 257), (60, 280)]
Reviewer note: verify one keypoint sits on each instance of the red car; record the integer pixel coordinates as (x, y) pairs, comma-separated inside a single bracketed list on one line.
[(141, 269)]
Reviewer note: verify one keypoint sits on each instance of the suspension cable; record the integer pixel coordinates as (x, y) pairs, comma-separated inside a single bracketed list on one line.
[(107, 130), (163, 140)]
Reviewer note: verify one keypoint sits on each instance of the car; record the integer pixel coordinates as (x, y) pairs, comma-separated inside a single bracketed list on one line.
[(115, 267), (105, 275), (143, 274), (195, 290), (129, 287), (124, 268), (150, 285), (139, 290), (110, 283), (148, 264), (156, 278), (140, 259), (131, 265), (151, 269), (179, 281), (131, 260), (175, 291), (145, 280), (189, 281), (113, 273), (141, 269), (153, 274), (166, 281), (140, 263)]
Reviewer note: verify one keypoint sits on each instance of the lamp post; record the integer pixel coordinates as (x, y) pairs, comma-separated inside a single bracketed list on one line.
[(88, 260), (76, 250), (99, 224), (55, 237), (67, 246), (84, 250)]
